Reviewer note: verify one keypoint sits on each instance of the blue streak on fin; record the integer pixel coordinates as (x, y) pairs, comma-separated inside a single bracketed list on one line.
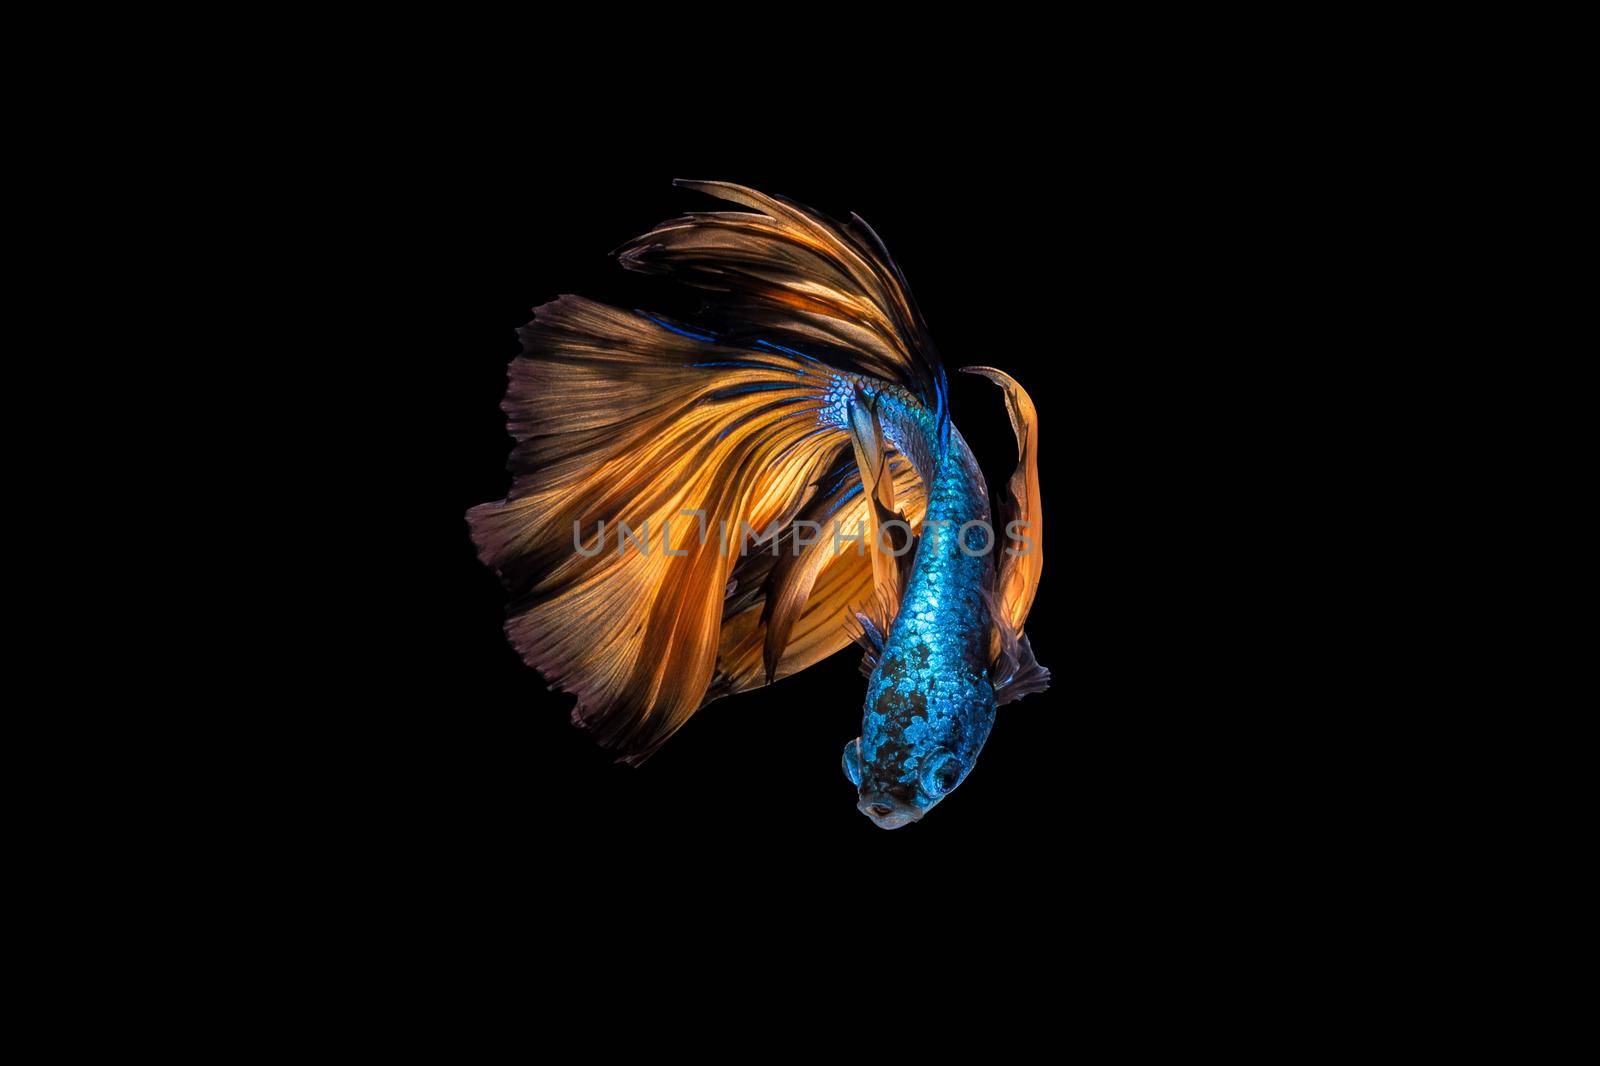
[(733, 391), (764, 343), (682, 331), (744, 364)]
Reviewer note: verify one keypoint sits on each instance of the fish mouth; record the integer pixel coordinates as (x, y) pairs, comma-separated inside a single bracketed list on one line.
[(887, 812)]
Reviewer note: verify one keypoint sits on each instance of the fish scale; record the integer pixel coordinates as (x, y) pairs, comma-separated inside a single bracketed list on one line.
[(930, 692)]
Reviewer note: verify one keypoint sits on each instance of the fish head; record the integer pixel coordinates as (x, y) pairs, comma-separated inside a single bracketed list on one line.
[(903, 765)]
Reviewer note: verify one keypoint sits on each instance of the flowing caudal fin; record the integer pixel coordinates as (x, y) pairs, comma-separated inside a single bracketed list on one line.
[(1012, 665), (682, 458), (634, 437)]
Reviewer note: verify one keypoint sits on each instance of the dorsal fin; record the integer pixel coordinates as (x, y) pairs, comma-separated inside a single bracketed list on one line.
[(790, 274)]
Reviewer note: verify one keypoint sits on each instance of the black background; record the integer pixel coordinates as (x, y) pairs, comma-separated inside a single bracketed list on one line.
[(1146, 317)]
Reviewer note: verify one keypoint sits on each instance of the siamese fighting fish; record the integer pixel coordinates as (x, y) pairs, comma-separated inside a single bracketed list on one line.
[(701, 508)]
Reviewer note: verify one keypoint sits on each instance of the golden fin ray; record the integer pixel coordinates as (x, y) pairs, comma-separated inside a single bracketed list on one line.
[(1020, 568)]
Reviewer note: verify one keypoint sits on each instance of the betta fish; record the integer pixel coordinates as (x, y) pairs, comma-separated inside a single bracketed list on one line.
[(701, 509)]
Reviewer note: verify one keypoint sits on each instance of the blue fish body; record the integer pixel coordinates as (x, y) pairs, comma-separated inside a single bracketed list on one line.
[(930, 702)]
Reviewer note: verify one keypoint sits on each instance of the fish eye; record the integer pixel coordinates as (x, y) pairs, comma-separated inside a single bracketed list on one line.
[(852, 761), (942, 773)]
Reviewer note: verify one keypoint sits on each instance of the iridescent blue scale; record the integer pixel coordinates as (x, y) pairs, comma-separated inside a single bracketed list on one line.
[(930, 703)]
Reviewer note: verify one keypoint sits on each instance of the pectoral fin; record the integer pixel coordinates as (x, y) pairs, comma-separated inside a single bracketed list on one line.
[(888, 533)]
